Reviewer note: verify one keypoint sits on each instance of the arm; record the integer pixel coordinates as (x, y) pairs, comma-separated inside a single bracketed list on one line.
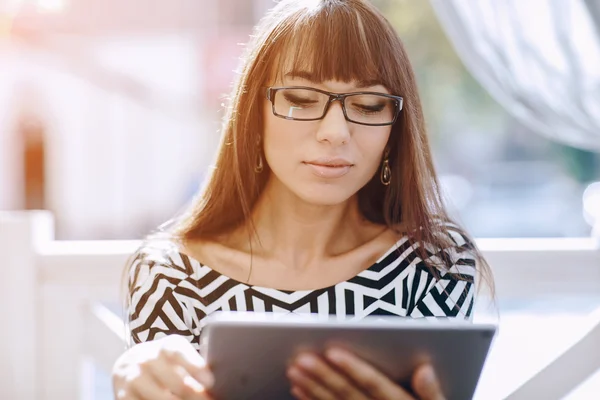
[(161, 302), (163, 362)]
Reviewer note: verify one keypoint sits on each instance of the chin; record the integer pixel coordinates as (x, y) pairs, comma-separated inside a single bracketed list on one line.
[(326, 196), (315, 192)]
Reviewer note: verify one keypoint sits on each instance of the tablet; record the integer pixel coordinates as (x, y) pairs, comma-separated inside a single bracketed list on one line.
[(249, 352)]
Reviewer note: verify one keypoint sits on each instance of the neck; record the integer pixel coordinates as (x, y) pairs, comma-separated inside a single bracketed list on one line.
[(300, 234)]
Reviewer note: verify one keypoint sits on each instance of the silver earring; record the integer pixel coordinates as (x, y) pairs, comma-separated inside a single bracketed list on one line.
[(386, 172)]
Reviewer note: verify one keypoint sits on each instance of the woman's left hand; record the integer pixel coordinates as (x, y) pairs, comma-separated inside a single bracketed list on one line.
[(342, 375)]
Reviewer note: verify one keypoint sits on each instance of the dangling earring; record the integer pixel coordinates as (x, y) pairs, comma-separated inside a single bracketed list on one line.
[(386, 172), (258, 167), (258, 164)]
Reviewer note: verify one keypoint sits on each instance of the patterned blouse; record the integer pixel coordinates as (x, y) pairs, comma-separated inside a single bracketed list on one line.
[(172, 293)]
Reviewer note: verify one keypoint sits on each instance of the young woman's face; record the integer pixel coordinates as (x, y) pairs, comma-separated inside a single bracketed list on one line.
[(323, 162)]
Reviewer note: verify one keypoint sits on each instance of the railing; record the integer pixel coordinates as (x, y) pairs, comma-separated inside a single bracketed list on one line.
[(51, 295)]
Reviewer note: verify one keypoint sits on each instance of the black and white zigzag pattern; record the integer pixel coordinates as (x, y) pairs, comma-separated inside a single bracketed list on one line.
[(172, 293)]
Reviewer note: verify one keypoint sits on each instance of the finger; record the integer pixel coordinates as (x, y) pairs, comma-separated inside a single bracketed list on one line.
[(124, 395), (308, 385), (334, 380), (300, 394), (196, 367), (181, 352), (426, 384), (149, 389), (177, 380), (372, 382)]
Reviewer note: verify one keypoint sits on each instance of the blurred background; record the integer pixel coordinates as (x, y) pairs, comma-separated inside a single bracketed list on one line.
[(109, 117)]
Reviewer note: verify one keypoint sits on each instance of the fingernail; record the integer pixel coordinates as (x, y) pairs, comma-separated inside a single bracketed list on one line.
[(295, 391), (306, 361), (335, 355), (293, 373), (428, 375), (206, 378), (192, 383), (210, 380)]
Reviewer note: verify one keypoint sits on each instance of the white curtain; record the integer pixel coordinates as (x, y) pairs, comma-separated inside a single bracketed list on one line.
[(540, 59)]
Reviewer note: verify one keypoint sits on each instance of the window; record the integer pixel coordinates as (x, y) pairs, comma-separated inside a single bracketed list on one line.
[(501, 179)]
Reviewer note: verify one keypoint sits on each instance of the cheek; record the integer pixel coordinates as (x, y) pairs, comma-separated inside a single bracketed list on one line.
[(372, 147), (279, 145)]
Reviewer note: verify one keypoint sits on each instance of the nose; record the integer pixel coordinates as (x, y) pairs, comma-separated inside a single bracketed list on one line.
[(333, 128)]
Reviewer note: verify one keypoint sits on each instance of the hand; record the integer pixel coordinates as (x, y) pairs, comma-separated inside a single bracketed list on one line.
[(166, 369), (342, 375)]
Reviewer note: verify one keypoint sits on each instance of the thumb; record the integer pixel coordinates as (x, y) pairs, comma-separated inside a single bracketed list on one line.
[(426, 384), (184, 354), (195, 365)]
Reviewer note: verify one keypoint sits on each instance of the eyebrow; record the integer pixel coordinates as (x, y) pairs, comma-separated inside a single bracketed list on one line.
[(299, 74)]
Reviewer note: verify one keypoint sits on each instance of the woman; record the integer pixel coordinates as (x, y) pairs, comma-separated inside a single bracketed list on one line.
[(323, 199)]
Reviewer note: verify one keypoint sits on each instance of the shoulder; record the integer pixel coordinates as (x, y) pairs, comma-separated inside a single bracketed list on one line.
[(162, 293), (444, 247), (159, 259), (457, 250), (448, 246), (445, 274), (458, 236)]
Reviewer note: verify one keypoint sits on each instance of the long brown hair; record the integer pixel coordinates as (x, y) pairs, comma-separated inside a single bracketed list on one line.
[(343, 40)]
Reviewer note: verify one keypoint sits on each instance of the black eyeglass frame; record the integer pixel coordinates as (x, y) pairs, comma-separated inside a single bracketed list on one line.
[(272, 91)]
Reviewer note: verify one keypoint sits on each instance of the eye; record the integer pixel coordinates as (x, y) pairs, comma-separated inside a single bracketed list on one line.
[(369, 108), (296, 99)]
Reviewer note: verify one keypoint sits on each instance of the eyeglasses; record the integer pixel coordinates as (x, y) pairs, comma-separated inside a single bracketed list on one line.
[(299, 103)]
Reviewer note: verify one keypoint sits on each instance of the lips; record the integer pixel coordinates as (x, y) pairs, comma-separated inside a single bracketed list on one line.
[(329, 168)]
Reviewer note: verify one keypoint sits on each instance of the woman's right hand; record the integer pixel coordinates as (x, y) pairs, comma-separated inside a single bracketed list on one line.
[(165, 369)]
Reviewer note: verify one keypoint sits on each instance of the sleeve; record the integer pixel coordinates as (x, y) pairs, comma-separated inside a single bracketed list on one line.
[(452, 293), (160, 301)]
